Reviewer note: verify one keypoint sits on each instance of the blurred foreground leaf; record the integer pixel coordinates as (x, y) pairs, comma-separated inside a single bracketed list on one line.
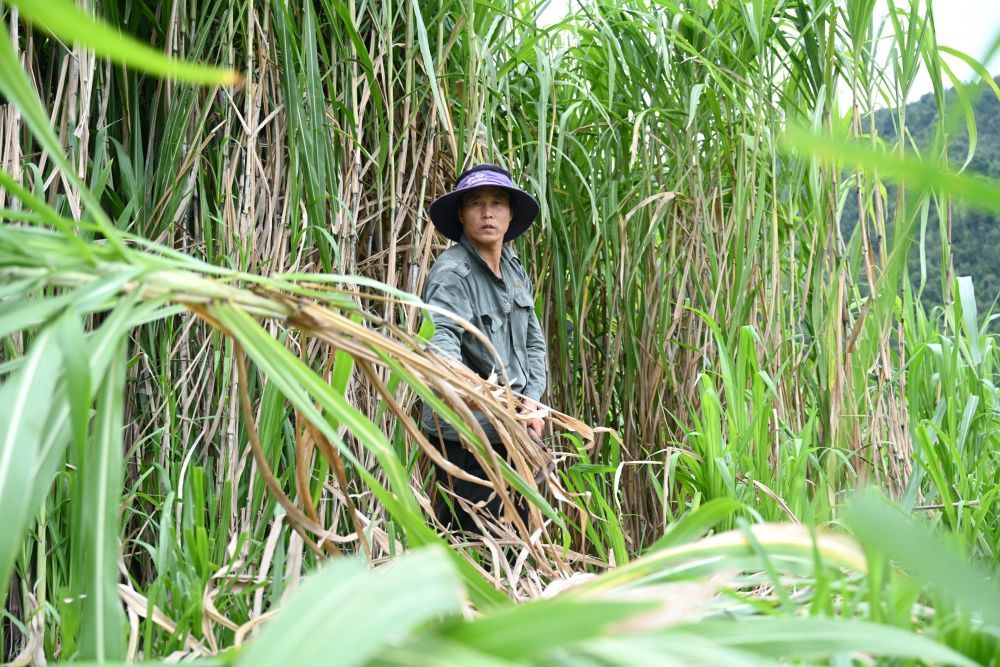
[(822, 637), (916, 173), (65, 20), (927, 558), (346, 613)]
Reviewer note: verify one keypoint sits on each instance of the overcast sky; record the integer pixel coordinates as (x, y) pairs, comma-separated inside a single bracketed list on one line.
[(966, 25)]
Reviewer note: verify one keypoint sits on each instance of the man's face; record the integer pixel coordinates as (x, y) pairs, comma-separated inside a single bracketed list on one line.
[(485, 214)]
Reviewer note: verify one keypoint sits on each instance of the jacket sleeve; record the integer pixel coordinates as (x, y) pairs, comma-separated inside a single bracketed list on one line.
[(446, 289), (537, 374)]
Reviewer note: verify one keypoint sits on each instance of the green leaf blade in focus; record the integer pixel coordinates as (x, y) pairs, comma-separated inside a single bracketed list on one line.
[(25, 395), (98, 551), (697, 523)]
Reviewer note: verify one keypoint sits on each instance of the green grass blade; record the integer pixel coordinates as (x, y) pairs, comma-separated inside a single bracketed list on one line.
[(25, 398), (17, 88), (919, 174), (824, 637), (697, 523), (66, 20), (531, 630), (926, 558), (350, 612), (103, 629)]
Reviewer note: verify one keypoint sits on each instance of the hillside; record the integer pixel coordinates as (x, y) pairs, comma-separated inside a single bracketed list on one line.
[(975, 234)]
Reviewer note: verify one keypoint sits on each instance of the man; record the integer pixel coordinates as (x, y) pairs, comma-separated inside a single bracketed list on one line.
[(481, 280)]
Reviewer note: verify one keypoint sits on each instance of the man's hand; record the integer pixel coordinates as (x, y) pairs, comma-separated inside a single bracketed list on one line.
[(535, 426)]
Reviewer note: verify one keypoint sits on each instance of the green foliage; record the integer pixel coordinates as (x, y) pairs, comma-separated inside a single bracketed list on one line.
[(409, 611), (701, 293)]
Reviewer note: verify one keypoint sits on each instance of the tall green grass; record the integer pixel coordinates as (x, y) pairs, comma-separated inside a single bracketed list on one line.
[(698, 292)]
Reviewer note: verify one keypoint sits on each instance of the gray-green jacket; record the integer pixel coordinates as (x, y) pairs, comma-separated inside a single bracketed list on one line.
[(503, 309)]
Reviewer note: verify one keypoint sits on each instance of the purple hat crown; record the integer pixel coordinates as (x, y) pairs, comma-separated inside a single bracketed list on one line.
[(485, 177)]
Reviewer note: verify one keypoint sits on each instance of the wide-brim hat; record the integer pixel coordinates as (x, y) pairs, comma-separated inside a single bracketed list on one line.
[(444, 209)]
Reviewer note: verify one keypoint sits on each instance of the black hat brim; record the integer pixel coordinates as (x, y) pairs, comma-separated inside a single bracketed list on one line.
[(444, 212)]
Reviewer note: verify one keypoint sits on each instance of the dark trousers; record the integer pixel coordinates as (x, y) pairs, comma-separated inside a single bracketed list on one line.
[(455, 516)]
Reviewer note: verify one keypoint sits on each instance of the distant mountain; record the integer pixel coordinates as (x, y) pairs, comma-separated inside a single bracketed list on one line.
[(975, 235)]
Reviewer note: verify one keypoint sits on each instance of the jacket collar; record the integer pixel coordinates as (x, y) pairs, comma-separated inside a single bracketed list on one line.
[(506, 252)]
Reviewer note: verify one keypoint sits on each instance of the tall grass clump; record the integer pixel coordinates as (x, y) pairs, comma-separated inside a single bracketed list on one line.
[(212, 352)]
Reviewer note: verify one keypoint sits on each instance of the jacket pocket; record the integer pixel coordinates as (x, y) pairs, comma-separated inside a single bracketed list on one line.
[(477, 355)]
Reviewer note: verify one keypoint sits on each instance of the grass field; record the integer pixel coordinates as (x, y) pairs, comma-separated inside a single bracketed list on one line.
[(214, 226)]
